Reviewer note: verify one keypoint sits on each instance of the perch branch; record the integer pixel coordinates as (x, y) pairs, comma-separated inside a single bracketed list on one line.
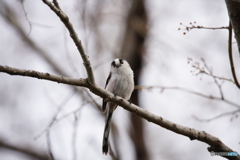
[(215, 144)]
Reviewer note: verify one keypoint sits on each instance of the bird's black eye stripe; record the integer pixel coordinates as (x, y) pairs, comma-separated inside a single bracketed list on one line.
[(121, 61), (113, 64)]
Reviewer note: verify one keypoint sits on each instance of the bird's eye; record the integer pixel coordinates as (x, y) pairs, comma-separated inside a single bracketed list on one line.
[(121, 61)]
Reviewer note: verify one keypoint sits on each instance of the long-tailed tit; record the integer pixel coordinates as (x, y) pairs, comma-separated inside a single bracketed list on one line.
[(120, 83)]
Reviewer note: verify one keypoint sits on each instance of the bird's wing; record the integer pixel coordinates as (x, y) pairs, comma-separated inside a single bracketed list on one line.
[(105, 103)]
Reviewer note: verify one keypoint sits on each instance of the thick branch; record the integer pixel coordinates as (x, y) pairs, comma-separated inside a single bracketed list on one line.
[(25, 150), (230, 55), (64, 18), (215, 144), (233, 7)]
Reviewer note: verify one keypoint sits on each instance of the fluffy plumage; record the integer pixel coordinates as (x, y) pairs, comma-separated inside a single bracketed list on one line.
[(120, 83)]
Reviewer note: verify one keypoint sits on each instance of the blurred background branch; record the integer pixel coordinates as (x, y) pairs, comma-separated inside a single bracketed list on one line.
[(25, 149), (133, 50)]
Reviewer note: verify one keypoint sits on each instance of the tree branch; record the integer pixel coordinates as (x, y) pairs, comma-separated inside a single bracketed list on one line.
[(10, 16), (201, 70), (55, 2), (217, 117), (230, 55), (189, 91), (233, 7), (215, 144), (25, 150), (64, 18), (194, 26), (46, 76)]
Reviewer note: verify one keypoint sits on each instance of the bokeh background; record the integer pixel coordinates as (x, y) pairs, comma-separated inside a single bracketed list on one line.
[(65, 121)]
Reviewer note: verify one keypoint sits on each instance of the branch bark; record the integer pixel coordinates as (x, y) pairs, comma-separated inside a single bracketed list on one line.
[(233, 7), (64, 18), (230, 55), (214, 143)]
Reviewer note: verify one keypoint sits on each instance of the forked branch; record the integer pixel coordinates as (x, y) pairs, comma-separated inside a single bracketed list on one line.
[(64, 18), (214, 143)]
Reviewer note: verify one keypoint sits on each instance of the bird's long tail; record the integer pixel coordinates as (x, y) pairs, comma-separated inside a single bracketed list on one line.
[(106, 131)]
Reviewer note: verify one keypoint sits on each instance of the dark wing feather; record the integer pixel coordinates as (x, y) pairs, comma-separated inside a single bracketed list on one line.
[(109, 77), (105, 103)]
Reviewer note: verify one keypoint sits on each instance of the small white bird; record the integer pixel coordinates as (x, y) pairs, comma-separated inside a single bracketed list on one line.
[(120, 83)]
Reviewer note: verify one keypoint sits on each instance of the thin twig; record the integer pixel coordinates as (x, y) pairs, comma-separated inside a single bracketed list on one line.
[(93, 100), (230, 55), (24, 149), (218, 77), (49, 144), (194, 26), (26, 16), (217, 117), (11, 17), (189, 91), (61, 106), (201, 70), (74, 136), (56, 120), (215, 79)]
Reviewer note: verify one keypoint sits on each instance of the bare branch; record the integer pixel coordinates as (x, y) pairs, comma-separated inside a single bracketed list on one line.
[(74, 136), (215, 79), (189, 91), (233, 7), (11, 18), (46, 76), (64, 18), (194, 26), (26, 16), (217, 117), (54, 120), (201, 70), (55, 2), (49, 145), (230, 55), (214, 143), (34, 153), (93, 101)]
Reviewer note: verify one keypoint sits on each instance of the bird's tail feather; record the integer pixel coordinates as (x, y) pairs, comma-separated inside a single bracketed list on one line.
[(106, 132)]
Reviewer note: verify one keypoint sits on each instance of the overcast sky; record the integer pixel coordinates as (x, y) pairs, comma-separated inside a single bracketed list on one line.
[(28, 105)]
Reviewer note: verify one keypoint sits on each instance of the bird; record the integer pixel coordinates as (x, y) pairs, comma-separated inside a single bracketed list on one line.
[(121, 83)]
